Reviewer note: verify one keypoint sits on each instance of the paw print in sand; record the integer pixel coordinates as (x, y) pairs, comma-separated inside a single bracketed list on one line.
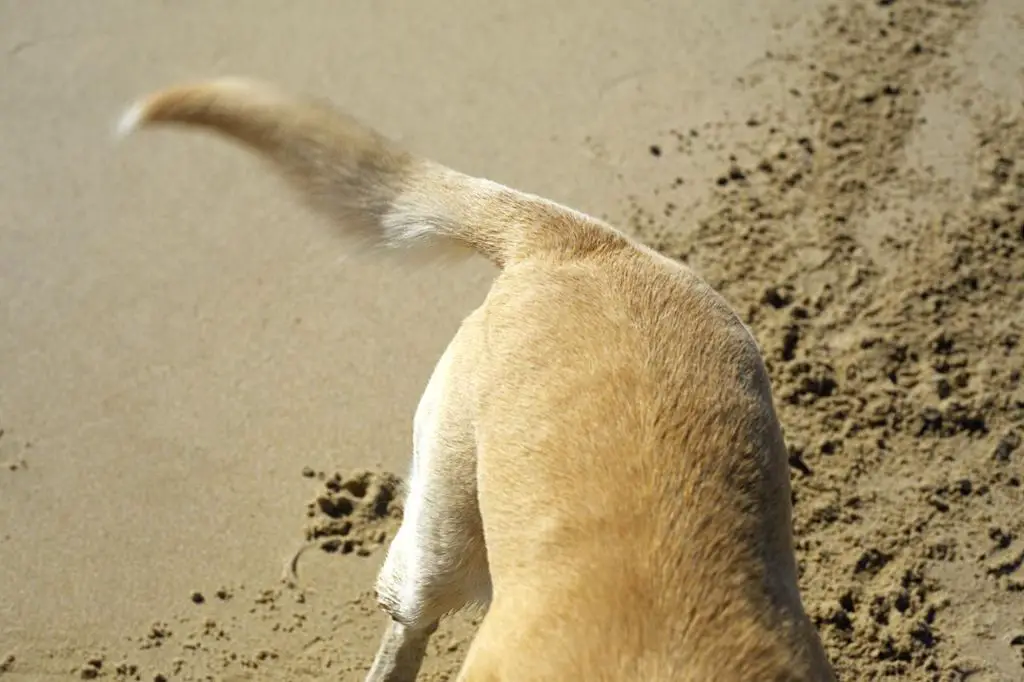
[(353, 514)]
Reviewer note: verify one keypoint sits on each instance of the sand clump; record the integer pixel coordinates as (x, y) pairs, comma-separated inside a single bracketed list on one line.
[(12, 453), (354, 514)]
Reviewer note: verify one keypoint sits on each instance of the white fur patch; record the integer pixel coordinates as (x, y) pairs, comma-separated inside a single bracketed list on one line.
[(405, 570), (129, 121)]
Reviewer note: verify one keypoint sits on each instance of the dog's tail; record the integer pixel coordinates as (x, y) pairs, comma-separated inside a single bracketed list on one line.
[(365, 182)]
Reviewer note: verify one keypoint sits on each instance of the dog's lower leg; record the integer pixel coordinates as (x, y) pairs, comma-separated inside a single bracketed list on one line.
[(400, 654)]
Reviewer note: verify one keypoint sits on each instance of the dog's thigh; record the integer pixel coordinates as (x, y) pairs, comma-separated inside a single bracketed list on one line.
[(437, 562)]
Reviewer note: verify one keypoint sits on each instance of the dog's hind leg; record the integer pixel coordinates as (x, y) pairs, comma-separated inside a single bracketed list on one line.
[(400, 654), (437, 562)]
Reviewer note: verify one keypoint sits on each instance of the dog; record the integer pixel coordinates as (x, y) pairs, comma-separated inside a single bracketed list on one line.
[(597, 459)]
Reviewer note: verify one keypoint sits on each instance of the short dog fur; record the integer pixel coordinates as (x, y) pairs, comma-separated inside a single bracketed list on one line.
[(596, 458)]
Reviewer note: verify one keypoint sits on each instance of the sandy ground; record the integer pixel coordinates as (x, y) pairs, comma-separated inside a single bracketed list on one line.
[(196, 381)]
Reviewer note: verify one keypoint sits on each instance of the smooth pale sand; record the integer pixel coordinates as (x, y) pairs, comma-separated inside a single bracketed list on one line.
[(179, 338)]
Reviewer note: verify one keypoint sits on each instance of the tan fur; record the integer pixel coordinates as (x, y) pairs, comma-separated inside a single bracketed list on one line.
[(603, 419)]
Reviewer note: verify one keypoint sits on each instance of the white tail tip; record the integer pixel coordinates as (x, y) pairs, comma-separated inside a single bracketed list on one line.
[(129, 121)]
